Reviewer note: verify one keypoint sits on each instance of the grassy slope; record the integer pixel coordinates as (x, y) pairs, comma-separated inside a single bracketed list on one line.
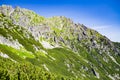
[(61, 55)]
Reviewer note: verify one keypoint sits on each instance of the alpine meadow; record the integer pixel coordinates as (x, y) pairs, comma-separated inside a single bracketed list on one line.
[(33, 47)]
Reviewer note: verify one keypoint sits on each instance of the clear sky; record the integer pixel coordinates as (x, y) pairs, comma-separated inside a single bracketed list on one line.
[(101, 15)]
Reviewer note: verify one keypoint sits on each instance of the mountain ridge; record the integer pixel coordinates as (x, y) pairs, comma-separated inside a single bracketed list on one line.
[(74, 50)]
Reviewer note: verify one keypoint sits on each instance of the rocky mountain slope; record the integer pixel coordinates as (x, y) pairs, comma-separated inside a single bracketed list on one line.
[(33, 47)]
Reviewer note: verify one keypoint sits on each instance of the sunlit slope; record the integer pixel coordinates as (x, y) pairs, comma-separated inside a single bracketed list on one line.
[(53, 48)]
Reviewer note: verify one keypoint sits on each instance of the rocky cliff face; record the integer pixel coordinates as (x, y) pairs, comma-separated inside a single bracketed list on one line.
[(58, 45)]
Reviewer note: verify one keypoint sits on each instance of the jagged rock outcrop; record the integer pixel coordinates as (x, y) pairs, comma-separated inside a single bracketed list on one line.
[(58, 45)]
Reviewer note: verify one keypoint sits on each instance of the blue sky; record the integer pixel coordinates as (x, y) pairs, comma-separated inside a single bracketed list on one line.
[(101, 15)]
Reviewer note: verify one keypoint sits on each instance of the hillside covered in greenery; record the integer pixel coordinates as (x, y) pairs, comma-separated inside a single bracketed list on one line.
[(33, 47)]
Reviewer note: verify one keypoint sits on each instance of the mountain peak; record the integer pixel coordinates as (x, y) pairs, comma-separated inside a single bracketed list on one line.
[(57, 46)]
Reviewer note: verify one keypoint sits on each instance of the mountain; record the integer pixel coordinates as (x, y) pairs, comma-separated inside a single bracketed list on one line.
[(33, 47)]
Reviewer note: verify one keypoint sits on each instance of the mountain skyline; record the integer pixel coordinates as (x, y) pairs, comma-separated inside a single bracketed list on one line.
[(102, 16), (33, 47)]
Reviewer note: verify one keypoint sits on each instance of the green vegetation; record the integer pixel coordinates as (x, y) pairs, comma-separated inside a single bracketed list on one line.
[(77, 52), (10, 70)]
